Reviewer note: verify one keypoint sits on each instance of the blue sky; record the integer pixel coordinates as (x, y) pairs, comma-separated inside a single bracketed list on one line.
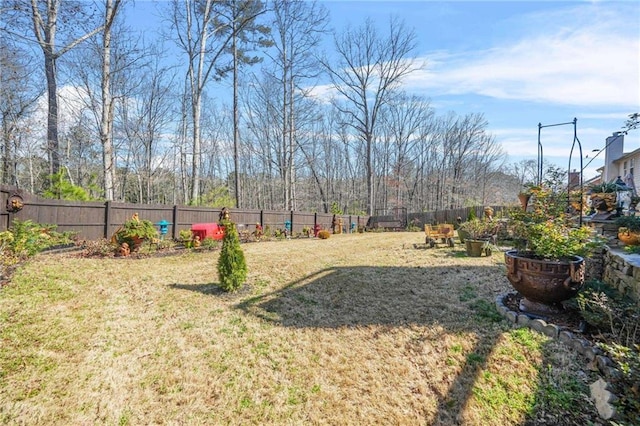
[(523, 63)]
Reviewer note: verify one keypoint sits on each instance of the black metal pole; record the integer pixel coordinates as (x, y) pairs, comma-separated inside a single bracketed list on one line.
[(540, 160)]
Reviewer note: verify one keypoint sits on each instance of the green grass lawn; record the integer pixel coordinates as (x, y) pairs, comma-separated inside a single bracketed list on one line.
[(354, 330)]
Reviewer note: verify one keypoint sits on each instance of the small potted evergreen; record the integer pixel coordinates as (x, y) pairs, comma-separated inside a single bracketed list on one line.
[(134, 232)]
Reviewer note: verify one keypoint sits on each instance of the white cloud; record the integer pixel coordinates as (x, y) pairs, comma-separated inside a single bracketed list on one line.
[(579, 56)]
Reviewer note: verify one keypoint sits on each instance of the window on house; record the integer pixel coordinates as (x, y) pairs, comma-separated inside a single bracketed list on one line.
[(625, 168)]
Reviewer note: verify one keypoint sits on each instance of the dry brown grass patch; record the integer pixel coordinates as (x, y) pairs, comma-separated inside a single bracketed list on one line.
[(355, 329)]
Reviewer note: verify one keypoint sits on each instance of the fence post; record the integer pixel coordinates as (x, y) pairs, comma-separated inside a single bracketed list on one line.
[(291, 219), (107, 219), (174, 219), (262, 218)]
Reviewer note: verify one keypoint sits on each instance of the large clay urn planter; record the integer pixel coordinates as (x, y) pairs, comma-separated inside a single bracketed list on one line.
[(544, 284), (628, 238)]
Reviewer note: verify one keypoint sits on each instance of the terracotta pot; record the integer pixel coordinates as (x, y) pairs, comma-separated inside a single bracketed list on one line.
[(136, 242), (524, 200), (475, 247), (544, 284), (629, 238)]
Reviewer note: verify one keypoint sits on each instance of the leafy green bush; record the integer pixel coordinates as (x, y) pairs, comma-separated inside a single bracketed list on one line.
[(232, 266), (632, 223), (548, 231), (186, 237), (478, 228), (610, 312), (554, 239), (26, 238), (604, 187), (632, 249)]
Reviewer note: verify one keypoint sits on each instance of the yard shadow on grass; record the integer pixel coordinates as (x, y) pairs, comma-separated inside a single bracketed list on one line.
[(368, 295), (212, 289), (458, 299)]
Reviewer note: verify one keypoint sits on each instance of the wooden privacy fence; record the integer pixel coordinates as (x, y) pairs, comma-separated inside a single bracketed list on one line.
[(95, 220), (450, 216)]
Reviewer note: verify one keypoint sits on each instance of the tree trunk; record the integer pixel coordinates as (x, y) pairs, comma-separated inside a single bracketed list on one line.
[(236, 129), (52, 116), (106, 122)]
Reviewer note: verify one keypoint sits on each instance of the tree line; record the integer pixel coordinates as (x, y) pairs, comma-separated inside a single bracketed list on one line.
[(224, 106)]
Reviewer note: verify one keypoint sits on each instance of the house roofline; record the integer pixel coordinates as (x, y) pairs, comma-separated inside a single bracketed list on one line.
[(627, 155)]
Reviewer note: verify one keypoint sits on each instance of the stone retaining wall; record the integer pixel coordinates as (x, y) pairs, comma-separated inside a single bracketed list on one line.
[(619, 269), (622, 271)]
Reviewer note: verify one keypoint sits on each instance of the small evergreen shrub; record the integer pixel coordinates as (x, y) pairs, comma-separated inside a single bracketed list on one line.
[(324, 234), (232, 266)]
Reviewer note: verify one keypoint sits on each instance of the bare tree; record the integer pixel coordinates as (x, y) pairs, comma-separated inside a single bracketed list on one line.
[(370, 67), (204, 39), (144, 116), (18, 95), (204, 31), (47, 18), (111, 9), (297, 29), (402, 124), (246, 34)]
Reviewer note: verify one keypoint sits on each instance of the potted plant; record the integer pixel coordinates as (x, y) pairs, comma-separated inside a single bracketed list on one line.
[(549, 268), (525, 194), (629, 230), (603, 196), (477, 233), (134, 232)]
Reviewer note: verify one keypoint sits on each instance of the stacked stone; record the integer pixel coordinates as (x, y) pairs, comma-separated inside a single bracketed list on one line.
[(622, 271), (606, 229), (594, 265)]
